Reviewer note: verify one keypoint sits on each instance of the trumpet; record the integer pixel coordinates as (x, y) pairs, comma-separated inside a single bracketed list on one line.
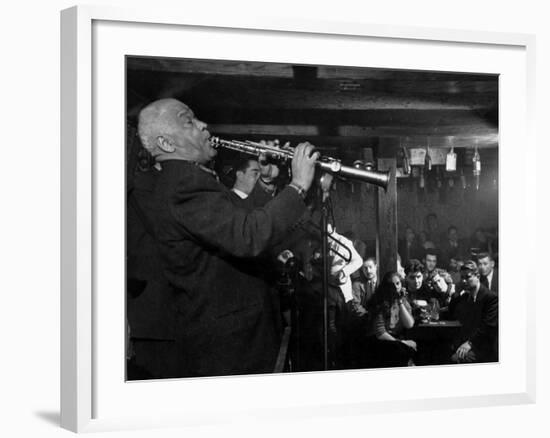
[(358, 172)]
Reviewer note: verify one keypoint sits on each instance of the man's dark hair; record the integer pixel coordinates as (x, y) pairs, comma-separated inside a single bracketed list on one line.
[(430, 251), (243, 164), (413, 267), (482, 255), (470, 266), (452, 227), (240, 166)]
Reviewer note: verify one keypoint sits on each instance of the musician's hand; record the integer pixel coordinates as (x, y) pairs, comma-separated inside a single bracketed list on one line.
[(303, 165)]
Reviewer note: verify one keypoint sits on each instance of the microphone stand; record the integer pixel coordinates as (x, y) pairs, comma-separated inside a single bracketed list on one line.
[(325, 183)]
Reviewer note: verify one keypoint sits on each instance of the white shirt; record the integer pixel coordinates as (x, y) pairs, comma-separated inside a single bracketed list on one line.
[(240, 193)]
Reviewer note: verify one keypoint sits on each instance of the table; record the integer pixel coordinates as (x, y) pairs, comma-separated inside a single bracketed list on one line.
[(434, 341)]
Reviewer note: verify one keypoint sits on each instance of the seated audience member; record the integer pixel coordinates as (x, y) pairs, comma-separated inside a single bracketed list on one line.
[(364, 286), (414, 281), (479, 242), (420, 290), (409, 247), (476, 308), (488, 272), (432, 230), (436, 281), (443, 286), (454, 271), (425, 242), (451, 247), (430, 262), (391, 314)]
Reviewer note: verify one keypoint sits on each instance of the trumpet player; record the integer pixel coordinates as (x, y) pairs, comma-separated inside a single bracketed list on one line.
[(224, 311)]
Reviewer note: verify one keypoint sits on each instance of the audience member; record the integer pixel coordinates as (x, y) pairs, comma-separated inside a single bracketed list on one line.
[(414, 278), (454, 271), (476, 307), (425, 242), (479, 242), (391, 313), (488, 272), (364, 285), (432, 230), (451, 247), (409, 247), (430, 262)]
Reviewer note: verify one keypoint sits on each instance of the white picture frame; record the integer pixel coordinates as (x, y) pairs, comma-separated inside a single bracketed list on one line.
[(90, 360)]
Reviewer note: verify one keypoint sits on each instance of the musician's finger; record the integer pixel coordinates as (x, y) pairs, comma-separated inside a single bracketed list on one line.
[(300, 149), (314, 154), (311, 151)]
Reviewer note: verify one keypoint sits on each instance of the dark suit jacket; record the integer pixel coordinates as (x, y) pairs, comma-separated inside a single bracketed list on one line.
[(225, 312), (415, 251), (447, 251), (494, 282), (479, 321), (149, 299)]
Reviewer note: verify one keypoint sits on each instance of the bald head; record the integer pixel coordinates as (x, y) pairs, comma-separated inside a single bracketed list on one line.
[(168, 129)]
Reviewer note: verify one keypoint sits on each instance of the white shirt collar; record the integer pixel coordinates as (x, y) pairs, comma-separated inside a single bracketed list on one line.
[(240, 193)]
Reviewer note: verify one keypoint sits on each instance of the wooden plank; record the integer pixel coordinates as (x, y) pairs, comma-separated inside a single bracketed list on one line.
[(220, 81), (204, 66), (371, 118), (484, 130), (249, 68), (386, 220), (335, 100), (410, 137)]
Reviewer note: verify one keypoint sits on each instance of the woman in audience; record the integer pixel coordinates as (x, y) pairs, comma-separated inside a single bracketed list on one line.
[(391, 314)]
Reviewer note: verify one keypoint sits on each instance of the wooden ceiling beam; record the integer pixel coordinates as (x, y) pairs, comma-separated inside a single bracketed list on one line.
[(356, 131), (280, 70), (372, 118), (301, 100)]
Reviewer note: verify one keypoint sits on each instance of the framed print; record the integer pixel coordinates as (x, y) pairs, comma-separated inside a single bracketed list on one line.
[(388, 109)]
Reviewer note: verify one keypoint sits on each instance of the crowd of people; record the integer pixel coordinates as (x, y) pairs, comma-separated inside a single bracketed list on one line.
[(420, 293), (216, 271)]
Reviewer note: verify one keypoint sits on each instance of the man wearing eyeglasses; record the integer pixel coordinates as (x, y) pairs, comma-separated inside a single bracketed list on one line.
[(476, 307)]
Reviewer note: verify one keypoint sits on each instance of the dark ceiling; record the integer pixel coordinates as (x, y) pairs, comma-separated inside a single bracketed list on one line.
[(336, 108)]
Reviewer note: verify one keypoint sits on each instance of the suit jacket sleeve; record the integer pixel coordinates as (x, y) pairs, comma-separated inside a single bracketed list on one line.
[(205, 212), (486, 331)]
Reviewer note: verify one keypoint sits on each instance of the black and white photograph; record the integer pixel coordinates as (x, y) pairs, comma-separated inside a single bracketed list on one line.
[(290, 218)]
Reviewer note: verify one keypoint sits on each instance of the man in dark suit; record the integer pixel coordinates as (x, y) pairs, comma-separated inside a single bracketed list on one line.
[(255, 181), (409, 248), (476, 307), (488, 272), (247, 173), (452, 247), (208, 245)]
